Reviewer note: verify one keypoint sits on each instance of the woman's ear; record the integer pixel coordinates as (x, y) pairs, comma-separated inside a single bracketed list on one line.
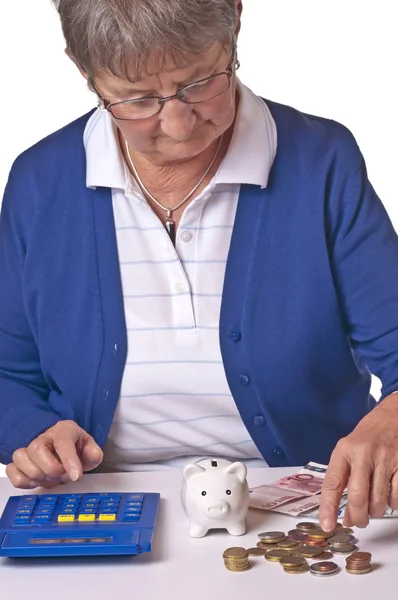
[(239, 6)]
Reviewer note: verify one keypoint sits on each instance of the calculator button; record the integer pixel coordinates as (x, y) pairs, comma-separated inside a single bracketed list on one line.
[(44, 511), (28, 498), (22, 520), (66, 518), (86, 517), (25, 511), (107, 517), (138, 497), (131, 518), (37, 519), (107, 511), (51, 498), (110, 505)]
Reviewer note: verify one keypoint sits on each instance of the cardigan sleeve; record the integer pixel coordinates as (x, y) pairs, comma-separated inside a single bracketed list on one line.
[(24, 410), (364, 258)]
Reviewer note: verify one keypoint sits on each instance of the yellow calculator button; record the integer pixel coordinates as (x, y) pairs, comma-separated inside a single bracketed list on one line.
[(89, 517), (66, 518), (107, 517)]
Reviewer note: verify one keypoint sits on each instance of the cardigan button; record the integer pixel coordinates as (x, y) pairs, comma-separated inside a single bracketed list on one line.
[(279, 453), (234, 335), (245, 380), (259, 420), (99, 431), (106, 393)]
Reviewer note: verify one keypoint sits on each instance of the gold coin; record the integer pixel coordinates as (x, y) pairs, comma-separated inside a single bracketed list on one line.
[(307, 551), (235, 552), (288, 544), (305, 526), (256, 551), (323, 556), (293, 561), (276, 555), (362, 572), (297, 570), (266, 546), (272, 535), (346, 530), (318, 533)]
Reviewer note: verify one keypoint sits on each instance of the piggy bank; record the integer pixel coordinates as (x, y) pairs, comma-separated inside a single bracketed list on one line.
[(215, 494)]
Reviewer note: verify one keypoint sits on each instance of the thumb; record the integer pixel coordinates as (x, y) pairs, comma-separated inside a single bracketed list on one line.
[(91, 455)]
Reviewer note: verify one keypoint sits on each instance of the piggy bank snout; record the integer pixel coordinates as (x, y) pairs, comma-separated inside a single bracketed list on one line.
[(217, 510)]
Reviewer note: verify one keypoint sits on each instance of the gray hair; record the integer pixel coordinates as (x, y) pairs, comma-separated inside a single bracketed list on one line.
[(121, 36)]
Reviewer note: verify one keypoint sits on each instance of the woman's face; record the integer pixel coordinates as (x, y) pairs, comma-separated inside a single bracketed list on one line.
[(179, 131)]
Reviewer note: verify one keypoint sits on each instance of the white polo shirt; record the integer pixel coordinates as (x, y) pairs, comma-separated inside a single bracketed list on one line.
[(175, 405)]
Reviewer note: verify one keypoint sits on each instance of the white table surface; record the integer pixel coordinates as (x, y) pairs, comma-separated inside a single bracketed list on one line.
[(180, 567)]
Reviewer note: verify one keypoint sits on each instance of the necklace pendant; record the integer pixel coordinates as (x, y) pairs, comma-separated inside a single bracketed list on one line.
[(171, 229)]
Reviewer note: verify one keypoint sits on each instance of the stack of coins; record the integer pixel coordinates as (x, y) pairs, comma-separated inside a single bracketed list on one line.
[(359, 563), (236, 559), (271, 537), (276, 554), (294, 565), (342, 543), (324, 569)]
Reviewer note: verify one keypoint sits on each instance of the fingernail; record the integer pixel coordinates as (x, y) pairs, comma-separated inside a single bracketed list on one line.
[(327, 525), (74, 474), (34, 484)]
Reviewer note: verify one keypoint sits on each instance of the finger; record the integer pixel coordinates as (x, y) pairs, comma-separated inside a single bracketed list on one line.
[(65, 440), (41, 453), (19, 479), (23, 462), (379, 491), (358, 494), (393, 495), (335, 481), (91, 455)]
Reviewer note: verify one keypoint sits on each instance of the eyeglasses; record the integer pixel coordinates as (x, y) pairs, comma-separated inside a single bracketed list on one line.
[(194, 93)]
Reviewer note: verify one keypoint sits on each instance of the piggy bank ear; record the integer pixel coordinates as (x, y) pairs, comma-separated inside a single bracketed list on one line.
[(192, 469), (239, 469)]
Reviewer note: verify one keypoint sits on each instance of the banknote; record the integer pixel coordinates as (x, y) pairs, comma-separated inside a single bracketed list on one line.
[(268, 497), (307, 481)]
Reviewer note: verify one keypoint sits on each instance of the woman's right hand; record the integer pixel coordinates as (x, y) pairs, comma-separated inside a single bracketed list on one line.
[(59, 455)]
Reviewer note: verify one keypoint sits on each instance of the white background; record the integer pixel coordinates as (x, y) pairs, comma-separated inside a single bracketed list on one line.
[(335, 59)]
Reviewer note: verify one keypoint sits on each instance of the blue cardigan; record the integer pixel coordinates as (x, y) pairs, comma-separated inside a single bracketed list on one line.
[(309, 308)]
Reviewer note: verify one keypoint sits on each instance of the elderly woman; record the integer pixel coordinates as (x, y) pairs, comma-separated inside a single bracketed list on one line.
[(192, 270)]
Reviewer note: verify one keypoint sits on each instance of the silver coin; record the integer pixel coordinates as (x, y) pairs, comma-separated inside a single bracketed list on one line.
[(347, 549)]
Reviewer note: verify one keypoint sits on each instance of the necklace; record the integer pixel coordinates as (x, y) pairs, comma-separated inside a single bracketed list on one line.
[(170, 223)]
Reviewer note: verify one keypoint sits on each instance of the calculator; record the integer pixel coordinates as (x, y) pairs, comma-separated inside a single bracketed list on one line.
[(78, 524)]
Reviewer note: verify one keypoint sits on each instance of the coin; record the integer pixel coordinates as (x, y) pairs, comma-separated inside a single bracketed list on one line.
[(318, 533), (343, 549), (266, 546), (293, 561), (297, 570), (342, 538), (307, 551), (305, 526), (354, 572), (346, 530), (317, 543), (235, 552), (256, 551), (324, 566), (359, 556), (271, 535), (299, 536), (323, 556), (276, 555), (287, 544)]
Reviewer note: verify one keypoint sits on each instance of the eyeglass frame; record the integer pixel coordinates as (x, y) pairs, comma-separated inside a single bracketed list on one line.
[(107, 105)]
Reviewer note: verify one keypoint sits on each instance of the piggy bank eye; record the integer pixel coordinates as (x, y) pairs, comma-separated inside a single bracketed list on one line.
[(228, 492), (204, 493)]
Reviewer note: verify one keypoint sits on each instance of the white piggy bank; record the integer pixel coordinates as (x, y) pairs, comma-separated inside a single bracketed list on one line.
[(215, 494)]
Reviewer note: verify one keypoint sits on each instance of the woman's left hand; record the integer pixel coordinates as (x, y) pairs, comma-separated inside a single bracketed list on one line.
[(366, 462)]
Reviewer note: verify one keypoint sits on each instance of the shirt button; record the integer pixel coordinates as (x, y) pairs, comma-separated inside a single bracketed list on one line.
[(179, 288), (235, 335), (259, 420), (106, 393), (186, 236), (279, 453), (244, 379), (115, 348)]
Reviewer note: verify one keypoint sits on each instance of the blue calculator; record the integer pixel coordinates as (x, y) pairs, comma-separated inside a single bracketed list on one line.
[(78, 524)]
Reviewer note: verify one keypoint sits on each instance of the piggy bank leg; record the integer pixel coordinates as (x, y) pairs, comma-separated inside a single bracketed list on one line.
[(197, 531), (238, 528)]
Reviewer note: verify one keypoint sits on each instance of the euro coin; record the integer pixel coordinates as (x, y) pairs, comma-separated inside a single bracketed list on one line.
[(361, 556), (276, 555), (288, 544), (346, 530), (299, 536), (305, 526), (318, 533), (343, 549), (342, 538), (293, 561), (362, 572), (256, 551), (235, 552), (297, 570), (271, 536), (323, 556), (307, 551)]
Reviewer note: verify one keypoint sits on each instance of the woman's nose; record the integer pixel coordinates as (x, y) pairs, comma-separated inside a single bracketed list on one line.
[(177, 119)]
